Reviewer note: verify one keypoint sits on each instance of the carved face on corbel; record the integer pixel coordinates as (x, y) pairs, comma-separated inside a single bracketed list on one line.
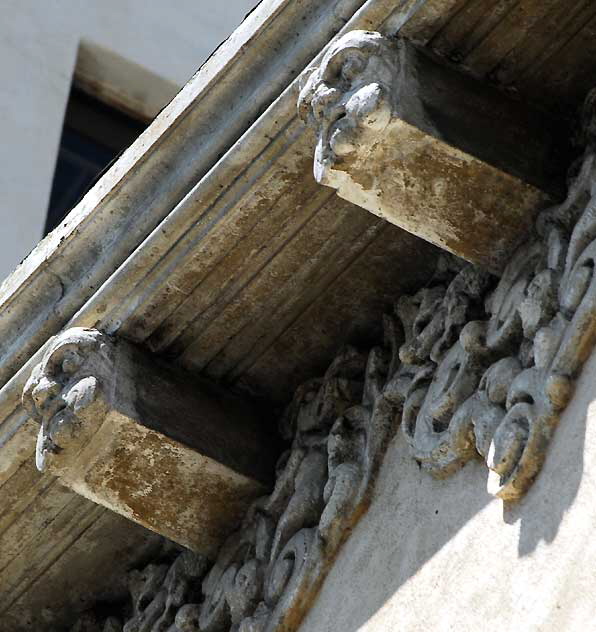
[(349, 97), (65, 387)]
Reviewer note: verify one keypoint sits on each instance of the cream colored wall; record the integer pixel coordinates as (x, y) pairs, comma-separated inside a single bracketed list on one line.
[(443, 555), (39, 41)]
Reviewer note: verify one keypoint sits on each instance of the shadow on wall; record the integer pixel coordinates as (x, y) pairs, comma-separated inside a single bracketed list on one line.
[(413, 517)]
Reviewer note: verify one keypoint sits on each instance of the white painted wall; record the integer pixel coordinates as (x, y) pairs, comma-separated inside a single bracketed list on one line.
[(444, 556), (39, 40)]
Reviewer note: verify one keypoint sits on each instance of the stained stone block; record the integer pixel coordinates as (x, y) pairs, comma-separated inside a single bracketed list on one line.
[(129, 432), (437, 153)]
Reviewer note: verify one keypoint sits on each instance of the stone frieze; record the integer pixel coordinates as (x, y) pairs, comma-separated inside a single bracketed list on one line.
[(473, 366), (269, 570)]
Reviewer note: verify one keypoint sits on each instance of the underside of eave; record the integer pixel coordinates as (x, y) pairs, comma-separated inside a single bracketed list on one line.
[(227, 257)]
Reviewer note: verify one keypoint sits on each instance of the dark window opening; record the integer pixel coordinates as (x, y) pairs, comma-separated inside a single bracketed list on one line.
[(93, 136)]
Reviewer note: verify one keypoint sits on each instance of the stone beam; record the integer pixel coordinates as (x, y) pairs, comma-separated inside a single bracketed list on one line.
[(437, 153), (149, 442)]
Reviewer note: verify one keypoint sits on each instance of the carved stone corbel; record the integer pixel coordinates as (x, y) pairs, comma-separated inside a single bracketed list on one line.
[(154, 444), (481, 369), (436, 153)]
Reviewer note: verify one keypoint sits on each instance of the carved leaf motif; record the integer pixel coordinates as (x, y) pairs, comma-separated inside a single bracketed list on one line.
[(477, 373)]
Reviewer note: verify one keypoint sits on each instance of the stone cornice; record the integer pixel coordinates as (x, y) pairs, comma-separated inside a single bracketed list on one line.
[(162, 167), (136, 228), (480, 368), (178, 201), (163, 192)]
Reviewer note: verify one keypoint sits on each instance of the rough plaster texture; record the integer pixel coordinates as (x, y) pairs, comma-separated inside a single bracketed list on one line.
[(443, 555), (39, 47)]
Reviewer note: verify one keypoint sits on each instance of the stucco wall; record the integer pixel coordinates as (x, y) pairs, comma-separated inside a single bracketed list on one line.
[(444, 555), (38, 52)]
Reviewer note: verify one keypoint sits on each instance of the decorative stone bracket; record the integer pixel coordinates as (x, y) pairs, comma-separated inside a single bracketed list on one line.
[(428, 149), (131, 433), (487, 364), (268, 572), (472, 367)]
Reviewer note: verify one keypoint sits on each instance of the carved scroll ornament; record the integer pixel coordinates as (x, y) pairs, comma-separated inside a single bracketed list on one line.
[(269, 570), (487, 364), (351, 97), (473, 367), (74, 382)]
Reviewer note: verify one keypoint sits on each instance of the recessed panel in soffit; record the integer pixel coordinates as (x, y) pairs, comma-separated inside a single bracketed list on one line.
[(542, 50), (275, 272), (297, 271), (273, 277)]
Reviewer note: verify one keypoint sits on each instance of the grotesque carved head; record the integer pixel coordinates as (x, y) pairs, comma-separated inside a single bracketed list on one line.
[(65, 386), (349, 97)]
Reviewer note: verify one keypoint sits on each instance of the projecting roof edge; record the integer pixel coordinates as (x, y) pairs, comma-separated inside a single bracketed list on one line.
[(212, 111), (128, 226)]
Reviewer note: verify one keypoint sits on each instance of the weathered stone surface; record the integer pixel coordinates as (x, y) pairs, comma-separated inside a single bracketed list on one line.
[(149, 442), (480, 368), (85, 553), (489, 364), (432, 151), (542, 52), (60, 302), (230, 280), (270, 569)]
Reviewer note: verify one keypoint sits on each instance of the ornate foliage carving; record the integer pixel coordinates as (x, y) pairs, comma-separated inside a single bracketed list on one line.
[(162, 597), (474, 367), (498, 392), (268, 571)]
